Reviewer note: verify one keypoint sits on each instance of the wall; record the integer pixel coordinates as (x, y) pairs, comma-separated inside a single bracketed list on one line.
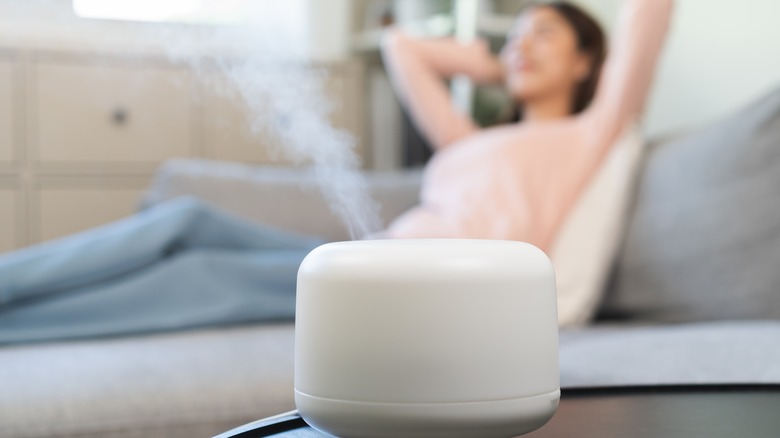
[(330, 28), (721, 54)]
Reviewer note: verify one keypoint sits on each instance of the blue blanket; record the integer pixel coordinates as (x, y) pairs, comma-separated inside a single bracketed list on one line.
[(179, 265)]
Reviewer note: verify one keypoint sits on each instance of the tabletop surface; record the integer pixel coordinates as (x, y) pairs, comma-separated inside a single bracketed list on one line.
[(637, 412)]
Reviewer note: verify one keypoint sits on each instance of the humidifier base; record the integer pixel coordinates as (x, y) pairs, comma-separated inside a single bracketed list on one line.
[(484, 419)]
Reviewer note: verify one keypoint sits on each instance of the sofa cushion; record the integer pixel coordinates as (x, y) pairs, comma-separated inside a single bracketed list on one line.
[(728, 352), (703, 242), (285, 198), (176, 385), (586, 245)]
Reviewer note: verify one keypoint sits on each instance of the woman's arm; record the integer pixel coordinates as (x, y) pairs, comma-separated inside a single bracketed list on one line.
[(418, 69), (629, 69)]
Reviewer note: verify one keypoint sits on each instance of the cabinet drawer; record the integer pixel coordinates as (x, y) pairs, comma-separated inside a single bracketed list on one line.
[(8, 220), (7, 125), (67, 211), (108, 114), (228, 131)]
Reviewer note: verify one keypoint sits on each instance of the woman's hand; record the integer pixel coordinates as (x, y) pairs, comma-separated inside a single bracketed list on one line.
[(448, 57), (488, 68)]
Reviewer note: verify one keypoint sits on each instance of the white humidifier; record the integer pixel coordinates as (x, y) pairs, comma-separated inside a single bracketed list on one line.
[(426, 338)]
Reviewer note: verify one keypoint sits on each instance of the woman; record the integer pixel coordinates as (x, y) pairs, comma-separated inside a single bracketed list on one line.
[(518, 181), (183, 264)]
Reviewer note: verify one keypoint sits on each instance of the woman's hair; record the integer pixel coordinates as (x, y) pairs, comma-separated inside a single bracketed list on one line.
[(590, 41)]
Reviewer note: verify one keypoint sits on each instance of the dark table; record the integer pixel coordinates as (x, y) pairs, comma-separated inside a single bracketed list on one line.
[(710, 411)]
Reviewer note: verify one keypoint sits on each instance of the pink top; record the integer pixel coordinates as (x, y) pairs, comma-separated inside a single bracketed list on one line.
[(518, 181)]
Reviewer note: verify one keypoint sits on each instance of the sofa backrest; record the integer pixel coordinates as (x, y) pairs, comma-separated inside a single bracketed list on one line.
[(703, 239)]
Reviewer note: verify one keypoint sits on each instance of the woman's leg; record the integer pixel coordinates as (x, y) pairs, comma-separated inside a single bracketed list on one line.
[(129, 246), (201, 287)]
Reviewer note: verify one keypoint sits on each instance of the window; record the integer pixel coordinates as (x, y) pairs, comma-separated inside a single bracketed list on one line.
[(290, 13)]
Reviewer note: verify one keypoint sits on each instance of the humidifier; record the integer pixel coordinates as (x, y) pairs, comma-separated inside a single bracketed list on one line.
[(426, 338)]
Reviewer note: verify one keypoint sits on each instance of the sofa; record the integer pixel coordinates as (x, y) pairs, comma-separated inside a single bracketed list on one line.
[(693, 297)]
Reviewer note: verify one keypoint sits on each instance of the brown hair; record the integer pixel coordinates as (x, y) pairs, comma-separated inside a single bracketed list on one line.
[(591, 41)]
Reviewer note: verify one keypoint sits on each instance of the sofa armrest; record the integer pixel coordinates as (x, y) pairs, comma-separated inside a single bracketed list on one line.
[(287, 198)]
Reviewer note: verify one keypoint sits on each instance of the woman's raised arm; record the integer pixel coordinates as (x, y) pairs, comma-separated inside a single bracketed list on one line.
[(418, 69), (629, 69)]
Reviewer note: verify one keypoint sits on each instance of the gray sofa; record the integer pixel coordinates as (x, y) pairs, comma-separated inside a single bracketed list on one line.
[(695, 298)]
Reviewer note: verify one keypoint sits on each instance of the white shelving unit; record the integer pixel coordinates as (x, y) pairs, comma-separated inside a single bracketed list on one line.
[(465, 18)]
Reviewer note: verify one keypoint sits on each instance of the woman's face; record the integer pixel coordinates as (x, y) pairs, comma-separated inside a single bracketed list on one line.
[(541, 56)]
